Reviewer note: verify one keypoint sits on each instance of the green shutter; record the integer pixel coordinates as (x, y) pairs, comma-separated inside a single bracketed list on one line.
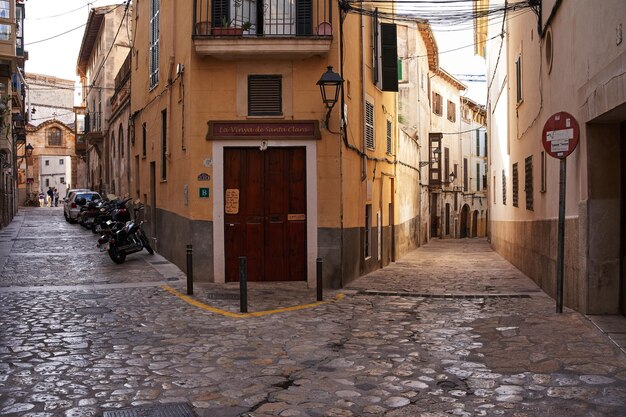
[(389, 56)]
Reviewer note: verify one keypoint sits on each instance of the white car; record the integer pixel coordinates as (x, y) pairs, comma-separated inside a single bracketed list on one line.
[(71, 207)]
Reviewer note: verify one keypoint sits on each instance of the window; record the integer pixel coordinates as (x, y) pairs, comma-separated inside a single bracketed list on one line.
[(446, 165), (154, 43), (437, 104), (143, 139), (120, 139), (385, 55), (528, 182), (389, 137), (368, 231), (62, 180), (47, 181), (543, 172), (164, 145), (518, 79), (5, 9), (478, 177), (515, 185), (503, 187), (435, 158), (369, 125), (47, 162), (61, 161), (55, 137), (465, 175), (265, 95), (451, 111), (5, 32), (112, 144), (477, 142)]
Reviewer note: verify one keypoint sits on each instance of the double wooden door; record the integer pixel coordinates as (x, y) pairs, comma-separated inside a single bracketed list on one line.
[(265, 213)]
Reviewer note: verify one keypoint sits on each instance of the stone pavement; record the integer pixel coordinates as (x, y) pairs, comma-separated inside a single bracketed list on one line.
[(450, 329)]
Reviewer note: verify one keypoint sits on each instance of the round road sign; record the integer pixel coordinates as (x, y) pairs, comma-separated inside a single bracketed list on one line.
[(560, 135)]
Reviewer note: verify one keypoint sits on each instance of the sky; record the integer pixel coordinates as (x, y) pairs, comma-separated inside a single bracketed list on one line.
[(53, 32)]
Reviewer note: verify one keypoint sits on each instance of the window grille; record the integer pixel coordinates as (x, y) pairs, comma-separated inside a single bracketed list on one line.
[(389, 137), (154, 43)]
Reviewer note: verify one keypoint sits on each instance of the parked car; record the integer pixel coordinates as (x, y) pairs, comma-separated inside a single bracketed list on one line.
[(73, 201)]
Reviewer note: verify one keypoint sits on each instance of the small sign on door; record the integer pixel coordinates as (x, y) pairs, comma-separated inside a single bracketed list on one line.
[(231, 201)]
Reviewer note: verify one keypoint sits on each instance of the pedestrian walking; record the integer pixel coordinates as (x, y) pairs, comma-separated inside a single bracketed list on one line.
[(42, 196), (50, 196), (56, 197)]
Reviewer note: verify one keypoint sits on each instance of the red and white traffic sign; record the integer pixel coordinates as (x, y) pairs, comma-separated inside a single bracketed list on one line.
[(560, 135)]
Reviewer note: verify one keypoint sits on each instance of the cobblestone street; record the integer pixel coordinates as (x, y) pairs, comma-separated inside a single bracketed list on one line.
[(469, 336)]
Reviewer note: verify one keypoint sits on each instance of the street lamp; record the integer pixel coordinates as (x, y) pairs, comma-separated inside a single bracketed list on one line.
[(29, 150), (330, 83), (436, 154), (452, 176)]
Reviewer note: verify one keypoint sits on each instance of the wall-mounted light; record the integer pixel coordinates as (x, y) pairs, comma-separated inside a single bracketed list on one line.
[(330, 83), (452, 176), (29, 150), (436, 154)]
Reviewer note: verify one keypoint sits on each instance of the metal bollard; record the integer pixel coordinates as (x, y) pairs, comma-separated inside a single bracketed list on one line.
[(189, 270), (243, 284), (320, 285)]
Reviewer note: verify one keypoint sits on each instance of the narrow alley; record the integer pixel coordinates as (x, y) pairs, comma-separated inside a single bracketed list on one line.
[(450, 329)]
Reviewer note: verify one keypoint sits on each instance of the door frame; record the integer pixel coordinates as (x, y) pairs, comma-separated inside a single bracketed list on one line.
[(219, 250)]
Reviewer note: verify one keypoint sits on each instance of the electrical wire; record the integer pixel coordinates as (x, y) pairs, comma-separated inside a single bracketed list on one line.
[(61, 14)]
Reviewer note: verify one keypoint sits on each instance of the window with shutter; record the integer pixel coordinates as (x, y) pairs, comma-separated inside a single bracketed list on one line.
[(369, 125), (154, 43), (389, 137), (528, 182), (437, 104), (503, 187), (451, 111), (515, 185), (389, 57), (265, 95)]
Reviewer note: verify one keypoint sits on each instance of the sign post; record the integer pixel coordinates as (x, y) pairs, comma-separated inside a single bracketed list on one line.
[(559, 139)]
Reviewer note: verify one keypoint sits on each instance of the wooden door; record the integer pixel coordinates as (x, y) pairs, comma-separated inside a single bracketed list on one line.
[(265, 213)]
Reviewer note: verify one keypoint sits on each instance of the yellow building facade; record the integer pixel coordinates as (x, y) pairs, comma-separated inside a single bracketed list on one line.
[(230, 147)]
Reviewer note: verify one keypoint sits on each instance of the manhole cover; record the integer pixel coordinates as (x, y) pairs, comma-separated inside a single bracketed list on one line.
[(172, 279), (164, 410), (93, 310), (222, 296), (90, 296), (160, 262)]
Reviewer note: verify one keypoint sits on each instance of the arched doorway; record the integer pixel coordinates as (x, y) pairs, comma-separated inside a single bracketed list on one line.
[(475, 223), (465, 213)]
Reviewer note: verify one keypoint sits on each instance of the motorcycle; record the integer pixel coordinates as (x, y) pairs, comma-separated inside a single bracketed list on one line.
[(121, 239), (115, 210)]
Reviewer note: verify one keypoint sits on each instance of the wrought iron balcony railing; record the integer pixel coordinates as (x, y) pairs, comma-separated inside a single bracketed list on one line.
[(263, 18)]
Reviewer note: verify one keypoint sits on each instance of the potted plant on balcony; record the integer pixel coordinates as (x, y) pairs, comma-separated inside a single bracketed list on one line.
[(227, 28), (203, 28)]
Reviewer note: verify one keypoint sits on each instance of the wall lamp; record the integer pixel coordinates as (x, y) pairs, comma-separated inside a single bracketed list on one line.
[(29, 150), (330, 83)]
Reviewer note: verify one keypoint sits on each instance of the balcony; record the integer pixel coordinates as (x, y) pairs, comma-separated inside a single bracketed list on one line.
[(249, 29)]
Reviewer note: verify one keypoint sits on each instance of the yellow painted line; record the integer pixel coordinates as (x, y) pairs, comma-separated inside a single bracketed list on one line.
[(215, 310)]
